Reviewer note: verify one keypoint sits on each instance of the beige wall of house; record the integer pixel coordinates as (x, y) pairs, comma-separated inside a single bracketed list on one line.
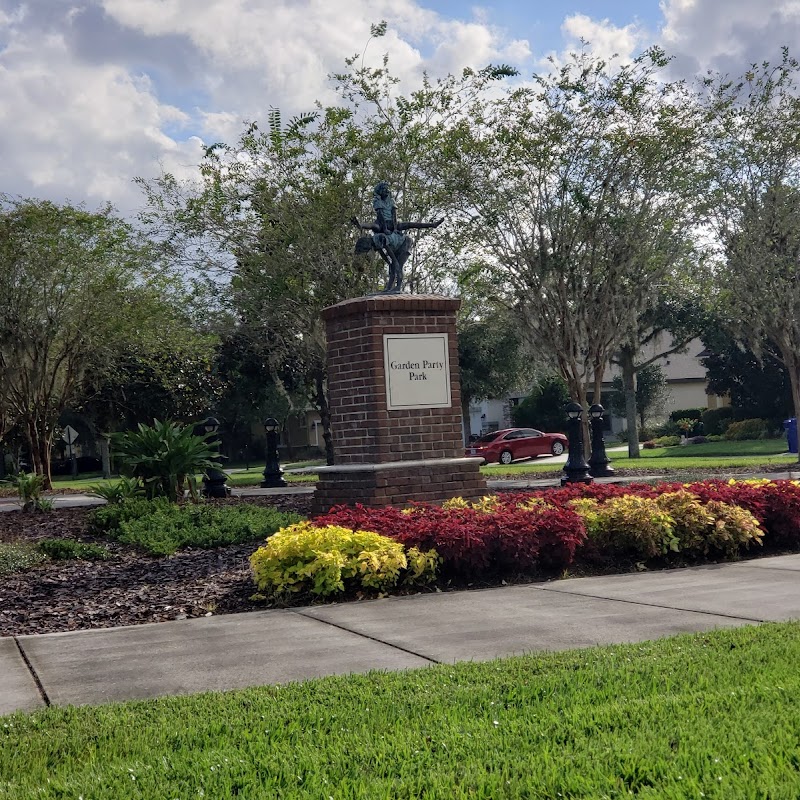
[(685, 374)]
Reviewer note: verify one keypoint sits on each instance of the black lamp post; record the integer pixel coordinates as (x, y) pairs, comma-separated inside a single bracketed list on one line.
[(576, 470), (273, 474), (215, 479), (598, 461)]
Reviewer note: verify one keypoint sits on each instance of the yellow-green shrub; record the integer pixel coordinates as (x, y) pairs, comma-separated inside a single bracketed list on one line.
[(693, 520), (325, 560), (487, 504), (631, 524), (734, 527)]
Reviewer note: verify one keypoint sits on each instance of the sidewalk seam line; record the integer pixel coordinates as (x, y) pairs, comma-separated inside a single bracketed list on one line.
[(653, 605), (366, 636), (34, 675)]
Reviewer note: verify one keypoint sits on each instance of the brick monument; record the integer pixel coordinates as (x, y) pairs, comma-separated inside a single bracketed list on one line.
[(395, 403)]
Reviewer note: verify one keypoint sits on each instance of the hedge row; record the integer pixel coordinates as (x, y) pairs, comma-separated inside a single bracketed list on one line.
[(544, 532)]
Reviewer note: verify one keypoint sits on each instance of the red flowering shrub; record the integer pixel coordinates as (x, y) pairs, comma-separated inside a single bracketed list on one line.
[(472, 542)]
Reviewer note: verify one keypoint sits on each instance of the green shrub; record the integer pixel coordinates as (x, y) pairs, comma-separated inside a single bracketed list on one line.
[(169, 527), (68, 549), (118, 492), (716, 420), (165, 457), (667, 441), (686, 425), (328, 559), (715, 438), (746, 429), (107, 519), (694, 414), (29, 487), (667, 429), (16, 556)]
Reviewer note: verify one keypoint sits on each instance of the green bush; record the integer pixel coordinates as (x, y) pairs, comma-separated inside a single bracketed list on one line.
[(29, 487), (68, 549), (107, 519), (694, 414), (667, 429), (16, 556), (716, 420), (327, 559), (746, 429), (165, 457), (667, 441), (169, 527)]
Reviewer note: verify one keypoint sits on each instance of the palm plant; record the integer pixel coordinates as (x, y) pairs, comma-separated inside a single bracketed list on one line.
[(166, 457)]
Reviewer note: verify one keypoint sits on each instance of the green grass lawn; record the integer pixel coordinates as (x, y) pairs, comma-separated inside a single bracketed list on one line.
[(714, 715)]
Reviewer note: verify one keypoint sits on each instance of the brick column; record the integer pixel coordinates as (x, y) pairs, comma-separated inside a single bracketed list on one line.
[(374, 443)]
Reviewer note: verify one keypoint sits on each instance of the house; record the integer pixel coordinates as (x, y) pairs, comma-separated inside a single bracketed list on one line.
[(686, 377), (686, 380)]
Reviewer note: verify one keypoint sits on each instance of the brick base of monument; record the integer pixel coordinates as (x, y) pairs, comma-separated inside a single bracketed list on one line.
[(398, 483)]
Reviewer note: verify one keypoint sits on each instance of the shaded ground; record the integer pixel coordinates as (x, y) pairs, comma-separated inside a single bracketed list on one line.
[(128, 589)]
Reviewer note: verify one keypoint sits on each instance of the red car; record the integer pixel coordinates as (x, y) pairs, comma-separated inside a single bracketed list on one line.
[(512, 443)]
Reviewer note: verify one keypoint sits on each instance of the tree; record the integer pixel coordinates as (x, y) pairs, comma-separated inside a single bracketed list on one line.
[(543, 408), (758, 386), (271, 214), (69, 285), (667, 325), (491, 359), (755, 151), (582, 189), (651, 392)]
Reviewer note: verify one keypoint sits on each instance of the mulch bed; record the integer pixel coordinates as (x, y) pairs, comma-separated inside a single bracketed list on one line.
[(130, 588)]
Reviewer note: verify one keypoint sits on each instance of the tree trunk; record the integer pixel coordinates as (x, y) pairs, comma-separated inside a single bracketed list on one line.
[(629, 390), (39, 445), (105, 456), (793, 368), (466, 426), (321, 400), (577, 391)]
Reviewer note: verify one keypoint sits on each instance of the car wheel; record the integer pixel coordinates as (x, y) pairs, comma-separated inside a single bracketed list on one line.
[(506, 457), (557, 448)]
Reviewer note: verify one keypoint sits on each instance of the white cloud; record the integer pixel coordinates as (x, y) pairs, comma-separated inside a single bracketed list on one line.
[(728, 35), (78, 131), (96, 92), (602, 37), (605, 38)]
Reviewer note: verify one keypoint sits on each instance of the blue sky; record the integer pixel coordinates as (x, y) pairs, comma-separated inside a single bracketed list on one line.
[(96, 92), (540, 22)]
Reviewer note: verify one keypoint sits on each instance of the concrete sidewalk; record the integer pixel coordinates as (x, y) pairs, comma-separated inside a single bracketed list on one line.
[(238, 650)]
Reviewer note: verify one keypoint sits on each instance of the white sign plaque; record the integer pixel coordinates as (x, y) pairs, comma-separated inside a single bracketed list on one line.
[(417, 369)]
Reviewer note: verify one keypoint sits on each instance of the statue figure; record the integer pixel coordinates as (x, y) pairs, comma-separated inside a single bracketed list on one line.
[(389, 238)]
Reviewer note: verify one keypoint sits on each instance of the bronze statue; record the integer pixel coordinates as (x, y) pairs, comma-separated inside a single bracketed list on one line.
[(389, 238)]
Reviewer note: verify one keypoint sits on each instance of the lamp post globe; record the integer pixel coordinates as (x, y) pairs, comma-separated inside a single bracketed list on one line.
[(273, 474)]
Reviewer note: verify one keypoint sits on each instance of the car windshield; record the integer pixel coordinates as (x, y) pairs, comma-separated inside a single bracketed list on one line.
[(487, 437)]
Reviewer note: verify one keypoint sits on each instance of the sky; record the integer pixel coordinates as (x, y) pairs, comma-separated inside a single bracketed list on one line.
[(96, 92)]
